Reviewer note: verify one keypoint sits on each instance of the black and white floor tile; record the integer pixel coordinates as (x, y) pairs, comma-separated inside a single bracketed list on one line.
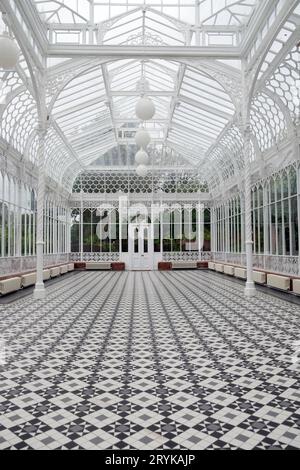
[(149, 360)]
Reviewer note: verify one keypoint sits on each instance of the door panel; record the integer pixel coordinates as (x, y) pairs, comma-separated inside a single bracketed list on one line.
[(141, 247)]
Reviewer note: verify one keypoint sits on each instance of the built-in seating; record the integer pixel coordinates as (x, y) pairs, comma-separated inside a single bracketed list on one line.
[(64, 269), (296, 286), (28, 280), (279, 282), (13, 283), (181, 264), (10, 285), (184, 264), (259, 277), (229, 270), (240, 273), (46, 274), (219, 267), (98, 265), (54, 272)]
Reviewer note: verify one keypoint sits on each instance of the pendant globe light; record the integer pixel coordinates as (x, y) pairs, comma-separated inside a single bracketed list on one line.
[(142, 171), (9, 52), (142, 138), (142, 158), (145, 109)]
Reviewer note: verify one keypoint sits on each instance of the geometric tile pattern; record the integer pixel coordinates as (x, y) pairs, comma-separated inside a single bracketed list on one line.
[(149, 360)]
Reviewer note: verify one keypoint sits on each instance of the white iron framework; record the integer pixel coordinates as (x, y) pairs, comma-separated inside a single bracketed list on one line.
[(225, 81)]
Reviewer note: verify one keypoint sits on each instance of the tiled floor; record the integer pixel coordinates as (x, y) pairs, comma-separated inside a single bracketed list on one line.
[(175, 360)]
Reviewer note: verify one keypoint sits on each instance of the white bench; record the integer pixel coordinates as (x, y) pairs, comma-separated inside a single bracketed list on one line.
[(241, 273), (98, 265), (46, 274), (228, 270), (10, 285), (259, 277), (28, 279), (296, 286), (184, 265), (71, 267), (279, 282), (64, 269), (54, 272), (273, 280), (219, 268)]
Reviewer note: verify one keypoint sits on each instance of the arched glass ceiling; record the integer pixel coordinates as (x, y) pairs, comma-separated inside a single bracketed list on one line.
[(96, 110), (210, 12), (82, 114), (172, 22), (201, 112), (93, 100), (280, 41)]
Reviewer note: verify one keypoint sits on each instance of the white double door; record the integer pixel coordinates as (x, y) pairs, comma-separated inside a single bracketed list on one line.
[(141, 247)]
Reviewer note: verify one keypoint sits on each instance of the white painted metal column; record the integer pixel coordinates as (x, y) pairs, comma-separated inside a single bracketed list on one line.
[(81, 225), (18, 251), (250, 286), (266, 209), (39, 292), (200, 227), (214, 230), (298, 208)]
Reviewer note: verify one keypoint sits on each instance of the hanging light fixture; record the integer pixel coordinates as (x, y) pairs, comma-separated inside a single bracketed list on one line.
[(142, 138), (9, 52), (142, 171), (142, 158), (145, 109)]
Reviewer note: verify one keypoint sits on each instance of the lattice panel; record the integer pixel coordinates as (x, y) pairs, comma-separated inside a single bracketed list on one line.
[(8, 82), (15, 114), (94, 256), (129, 182), (227, 157), (268, 122), (285, 82), (186, 256)]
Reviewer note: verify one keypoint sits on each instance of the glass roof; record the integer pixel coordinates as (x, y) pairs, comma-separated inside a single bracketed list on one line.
[(208, 12), (92, 100), (82, 113), (96, 110)]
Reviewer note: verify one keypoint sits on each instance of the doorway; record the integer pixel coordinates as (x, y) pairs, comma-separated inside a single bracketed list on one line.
[(141, 247)]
